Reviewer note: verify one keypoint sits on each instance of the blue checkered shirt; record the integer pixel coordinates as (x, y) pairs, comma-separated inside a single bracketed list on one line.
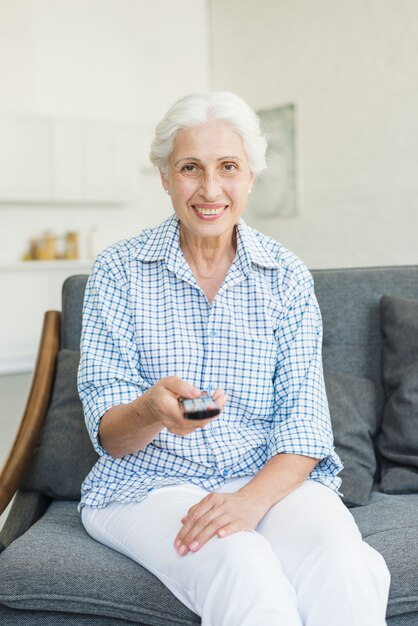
[(145, 317)]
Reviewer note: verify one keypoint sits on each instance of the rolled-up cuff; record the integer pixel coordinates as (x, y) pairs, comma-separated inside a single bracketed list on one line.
[(313, 443), (103, 400)]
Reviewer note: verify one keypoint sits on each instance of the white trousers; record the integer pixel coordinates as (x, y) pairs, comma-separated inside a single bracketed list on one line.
[(305, 563)]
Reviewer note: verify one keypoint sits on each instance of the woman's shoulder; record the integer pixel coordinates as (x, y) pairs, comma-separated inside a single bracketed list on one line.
[(150, 243), (115, 259), (124, 249), (290, 266)]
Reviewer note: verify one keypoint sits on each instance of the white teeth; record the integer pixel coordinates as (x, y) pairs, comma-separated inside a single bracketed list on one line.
[(209, 211)]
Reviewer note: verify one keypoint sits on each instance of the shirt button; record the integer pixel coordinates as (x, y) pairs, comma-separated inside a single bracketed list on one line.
[(225, 472), (213, 334), (211, 387)]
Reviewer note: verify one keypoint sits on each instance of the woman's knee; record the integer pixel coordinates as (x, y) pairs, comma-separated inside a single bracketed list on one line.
[(338, 555), (377, 567), (244, 558)]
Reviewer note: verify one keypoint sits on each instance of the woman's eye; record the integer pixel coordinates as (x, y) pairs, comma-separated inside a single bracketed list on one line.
[(189, 168), (230, 167)]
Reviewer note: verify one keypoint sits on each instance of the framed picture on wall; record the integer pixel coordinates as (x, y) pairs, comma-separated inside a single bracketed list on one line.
[(274, 194)]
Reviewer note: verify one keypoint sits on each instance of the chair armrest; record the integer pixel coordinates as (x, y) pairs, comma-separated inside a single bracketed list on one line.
[(35, 411), (26, 509)]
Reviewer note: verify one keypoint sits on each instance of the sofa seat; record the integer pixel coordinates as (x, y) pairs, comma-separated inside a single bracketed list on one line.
[(389, 523), (56, 566)]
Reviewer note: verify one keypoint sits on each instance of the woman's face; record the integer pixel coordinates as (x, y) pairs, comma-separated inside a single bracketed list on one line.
[(208, 178)]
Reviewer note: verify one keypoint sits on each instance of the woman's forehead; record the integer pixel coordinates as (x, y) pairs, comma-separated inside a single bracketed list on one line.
[(215, 137)]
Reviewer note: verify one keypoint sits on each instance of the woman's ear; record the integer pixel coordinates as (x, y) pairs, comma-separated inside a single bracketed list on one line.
[(250, 186), (164, 181)]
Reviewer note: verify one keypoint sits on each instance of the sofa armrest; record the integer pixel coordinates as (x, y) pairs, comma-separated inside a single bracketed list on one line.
[(27, 507), (35, 411)]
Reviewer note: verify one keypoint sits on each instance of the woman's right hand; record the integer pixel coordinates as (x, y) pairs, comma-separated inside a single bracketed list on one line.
[(161, 404), (127, 428)]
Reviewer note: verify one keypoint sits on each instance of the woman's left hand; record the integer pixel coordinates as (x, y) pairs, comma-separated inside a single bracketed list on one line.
[(218, 514)]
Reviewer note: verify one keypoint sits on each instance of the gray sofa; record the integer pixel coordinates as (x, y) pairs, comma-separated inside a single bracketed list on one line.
[(52, 572)]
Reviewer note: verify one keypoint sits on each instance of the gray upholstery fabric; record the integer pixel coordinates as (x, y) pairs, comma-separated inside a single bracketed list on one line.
[(11, 617), (349, 302), (19, 617), (72, 305), (27, 508), (389, 523), (398, 439), (100, 581), (81, 575), (64, 454), (56, 571), (408, 619), (356, 406)]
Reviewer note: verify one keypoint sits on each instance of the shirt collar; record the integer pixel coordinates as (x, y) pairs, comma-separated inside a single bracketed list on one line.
[(163, 243), (250, 249)]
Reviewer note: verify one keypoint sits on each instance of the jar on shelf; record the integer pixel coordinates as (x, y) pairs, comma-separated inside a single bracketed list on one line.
[(71, 245), (45, 247)]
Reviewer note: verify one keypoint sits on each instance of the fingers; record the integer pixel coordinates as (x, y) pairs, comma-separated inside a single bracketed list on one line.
[(220, 398), (179, 387), (187, 426), (202, 522), (191, 520), (165, 405), (182, 388), (220, 514)]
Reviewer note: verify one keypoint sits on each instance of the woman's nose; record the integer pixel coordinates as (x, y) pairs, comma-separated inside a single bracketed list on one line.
[(211, 187)]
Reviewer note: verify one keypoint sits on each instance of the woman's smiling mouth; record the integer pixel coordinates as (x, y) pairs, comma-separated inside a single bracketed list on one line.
[(209, 210)]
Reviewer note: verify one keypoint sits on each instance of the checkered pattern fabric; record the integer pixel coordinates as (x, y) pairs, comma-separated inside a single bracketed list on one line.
[(145, 317)]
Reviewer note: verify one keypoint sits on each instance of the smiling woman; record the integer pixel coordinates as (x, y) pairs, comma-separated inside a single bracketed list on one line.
[(209, 179), (253, 530)]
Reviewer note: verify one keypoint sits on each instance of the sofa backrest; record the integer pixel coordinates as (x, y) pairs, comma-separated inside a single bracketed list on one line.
[(72, 306), (349, 302)]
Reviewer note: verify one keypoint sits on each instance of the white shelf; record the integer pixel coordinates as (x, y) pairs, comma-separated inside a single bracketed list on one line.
[(30, 288), (17, 365), (12, 266)]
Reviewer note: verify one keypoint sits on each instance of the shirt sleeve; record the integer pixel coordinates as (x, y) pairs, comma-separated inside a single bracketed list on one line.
[(302, 422), (108, 373)]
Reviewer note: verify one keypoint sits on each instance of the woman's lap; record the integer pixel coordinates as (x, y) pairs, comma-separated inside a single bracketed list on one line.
[(287, 542), (145, 532)]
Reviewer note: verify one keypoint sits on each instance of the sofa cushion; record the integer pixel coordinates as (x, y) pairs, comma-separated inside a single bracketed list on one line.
[(80, 575), (17, 617), (389, 523), (64, 454), (398, 441), (356, 406)]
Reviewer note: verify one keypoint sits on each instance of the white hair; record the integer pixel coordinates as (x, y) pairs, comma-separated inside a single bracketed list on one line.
[(197, 109)]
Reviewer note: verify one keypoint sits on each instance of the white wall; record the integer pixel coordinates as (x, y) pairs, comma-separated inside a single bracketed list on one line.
[(351, 68), (117, 60), (121, 60)]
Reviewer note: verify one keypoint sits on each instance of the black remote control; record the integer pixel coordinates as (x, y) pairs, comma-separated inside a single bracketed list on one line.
[(200, 408)]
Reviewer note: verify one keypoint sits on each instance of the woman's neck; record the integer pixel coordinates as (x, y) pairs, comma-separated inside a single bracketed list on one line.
[(208, 256)]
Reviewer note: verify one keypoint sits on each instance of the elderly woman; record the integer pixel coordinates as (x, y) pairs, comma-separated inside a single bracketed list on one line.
[(238, 515)]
